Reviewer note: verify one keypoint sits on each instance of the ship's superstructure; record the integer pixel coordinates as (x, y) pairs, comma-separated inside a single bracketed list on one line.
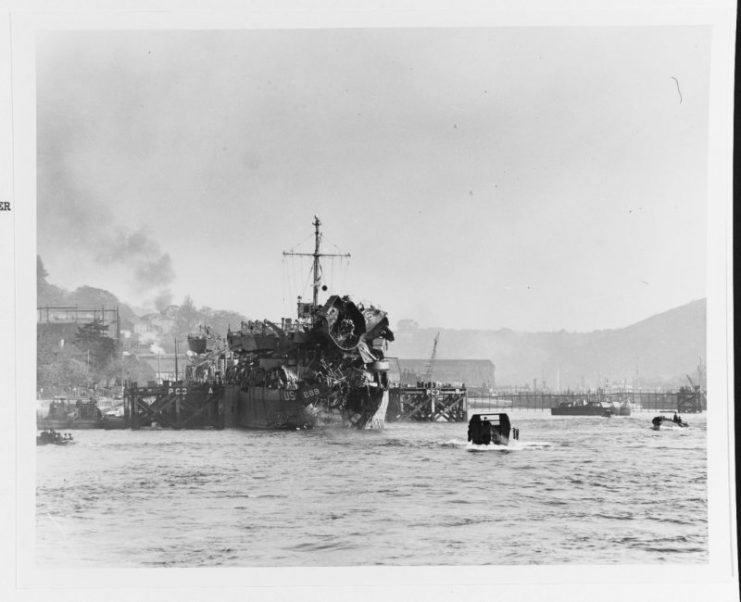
[(327, 364)]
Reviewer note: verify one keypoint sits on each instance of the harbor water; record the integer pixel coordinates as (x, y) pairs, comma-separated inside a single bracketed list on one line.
[(576, 490)]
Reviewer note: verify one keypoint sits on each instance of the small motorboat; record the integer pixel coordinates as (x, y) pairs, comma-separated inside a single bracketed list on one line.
[(52, 437), (665, 423), (491, 429)]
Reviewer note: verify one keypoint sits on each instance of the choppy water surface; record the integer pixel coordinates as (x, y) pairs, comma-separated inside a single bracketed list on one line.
[(572, 490)]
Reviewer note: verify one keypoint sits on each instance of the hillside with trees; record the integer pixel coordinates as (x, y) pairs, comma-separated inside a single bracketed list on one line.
[(80, 356)]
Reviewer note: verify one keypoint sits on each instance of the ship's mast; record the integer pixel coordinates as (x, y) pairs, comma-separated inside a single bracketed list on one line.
[(317, 270), (317, 267)]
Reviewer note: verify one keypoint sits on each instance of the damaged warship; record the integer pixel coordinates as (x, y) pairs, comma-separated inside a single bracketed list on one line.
[(326, 365)]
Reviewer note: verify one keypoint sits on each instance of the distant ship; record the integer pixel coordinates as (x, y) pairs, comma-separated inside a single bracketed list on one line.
[(326, 365), (591, 408)]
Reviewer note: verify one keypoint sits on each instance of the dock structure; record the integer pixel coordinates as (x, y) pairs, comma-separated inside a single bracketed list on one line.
[(58, 316), (174, 405), (691, 400), (427, 402)]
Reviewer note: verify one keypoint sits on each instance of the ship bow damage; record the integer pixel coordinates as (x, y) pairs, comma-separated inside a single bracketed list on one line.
[(328, 367), (353, 340)]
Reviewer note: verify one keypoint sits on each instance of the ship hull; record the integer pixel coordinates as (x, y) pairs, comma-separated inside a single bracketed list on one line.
[(378, 419), (113, 422), (265, 408), (366, 408), (212, 405), (592, 408), (280, 409)]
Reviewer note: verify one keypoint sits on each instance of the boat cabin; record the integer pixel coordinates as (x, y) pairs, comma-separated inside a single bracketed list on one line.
[(484, 429)]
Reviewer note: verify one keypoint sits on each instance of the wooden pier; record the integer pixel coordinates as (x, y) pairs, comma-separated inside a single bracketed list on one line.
[(427, 403), (174, 405)]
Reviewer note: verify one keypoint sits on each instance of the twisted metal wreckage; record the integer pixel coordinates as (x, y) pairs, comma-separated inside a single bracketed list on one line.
[(326, 365), (334, 363)]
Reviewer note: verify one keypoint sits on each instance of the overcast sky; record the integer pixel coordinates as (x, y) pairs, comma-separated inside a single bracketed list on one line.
[(530, 178)]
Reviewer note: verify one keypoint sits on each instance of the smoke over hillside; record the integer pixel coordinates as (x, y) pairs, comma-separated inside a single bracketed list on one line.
[(150, 267), (74, 219)]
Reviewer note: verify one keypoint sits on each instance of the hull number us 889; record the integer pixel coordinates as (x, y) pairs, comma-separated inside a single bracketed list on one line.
[(305, 394)]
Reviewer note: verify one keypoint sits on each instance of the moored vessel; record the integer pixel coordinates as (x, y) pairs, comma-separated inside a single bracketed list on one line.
[(580, 408), (326, 365), (67, 414), (584, 407)]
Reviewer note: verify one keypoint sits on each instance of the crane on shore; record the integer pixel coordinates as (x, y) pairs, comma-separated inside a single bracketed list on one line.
[(691, 399), (429, 365)]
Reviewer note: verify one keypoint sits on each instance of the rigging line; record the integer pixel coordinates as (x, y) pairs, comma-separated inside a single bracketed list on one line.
[(292, 278), (289, 264), (286, 281), (309, 277), (296, 278), (324, 239), (283, 281), (345, 269), (286, 276), (289, 287), (297, 246)]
